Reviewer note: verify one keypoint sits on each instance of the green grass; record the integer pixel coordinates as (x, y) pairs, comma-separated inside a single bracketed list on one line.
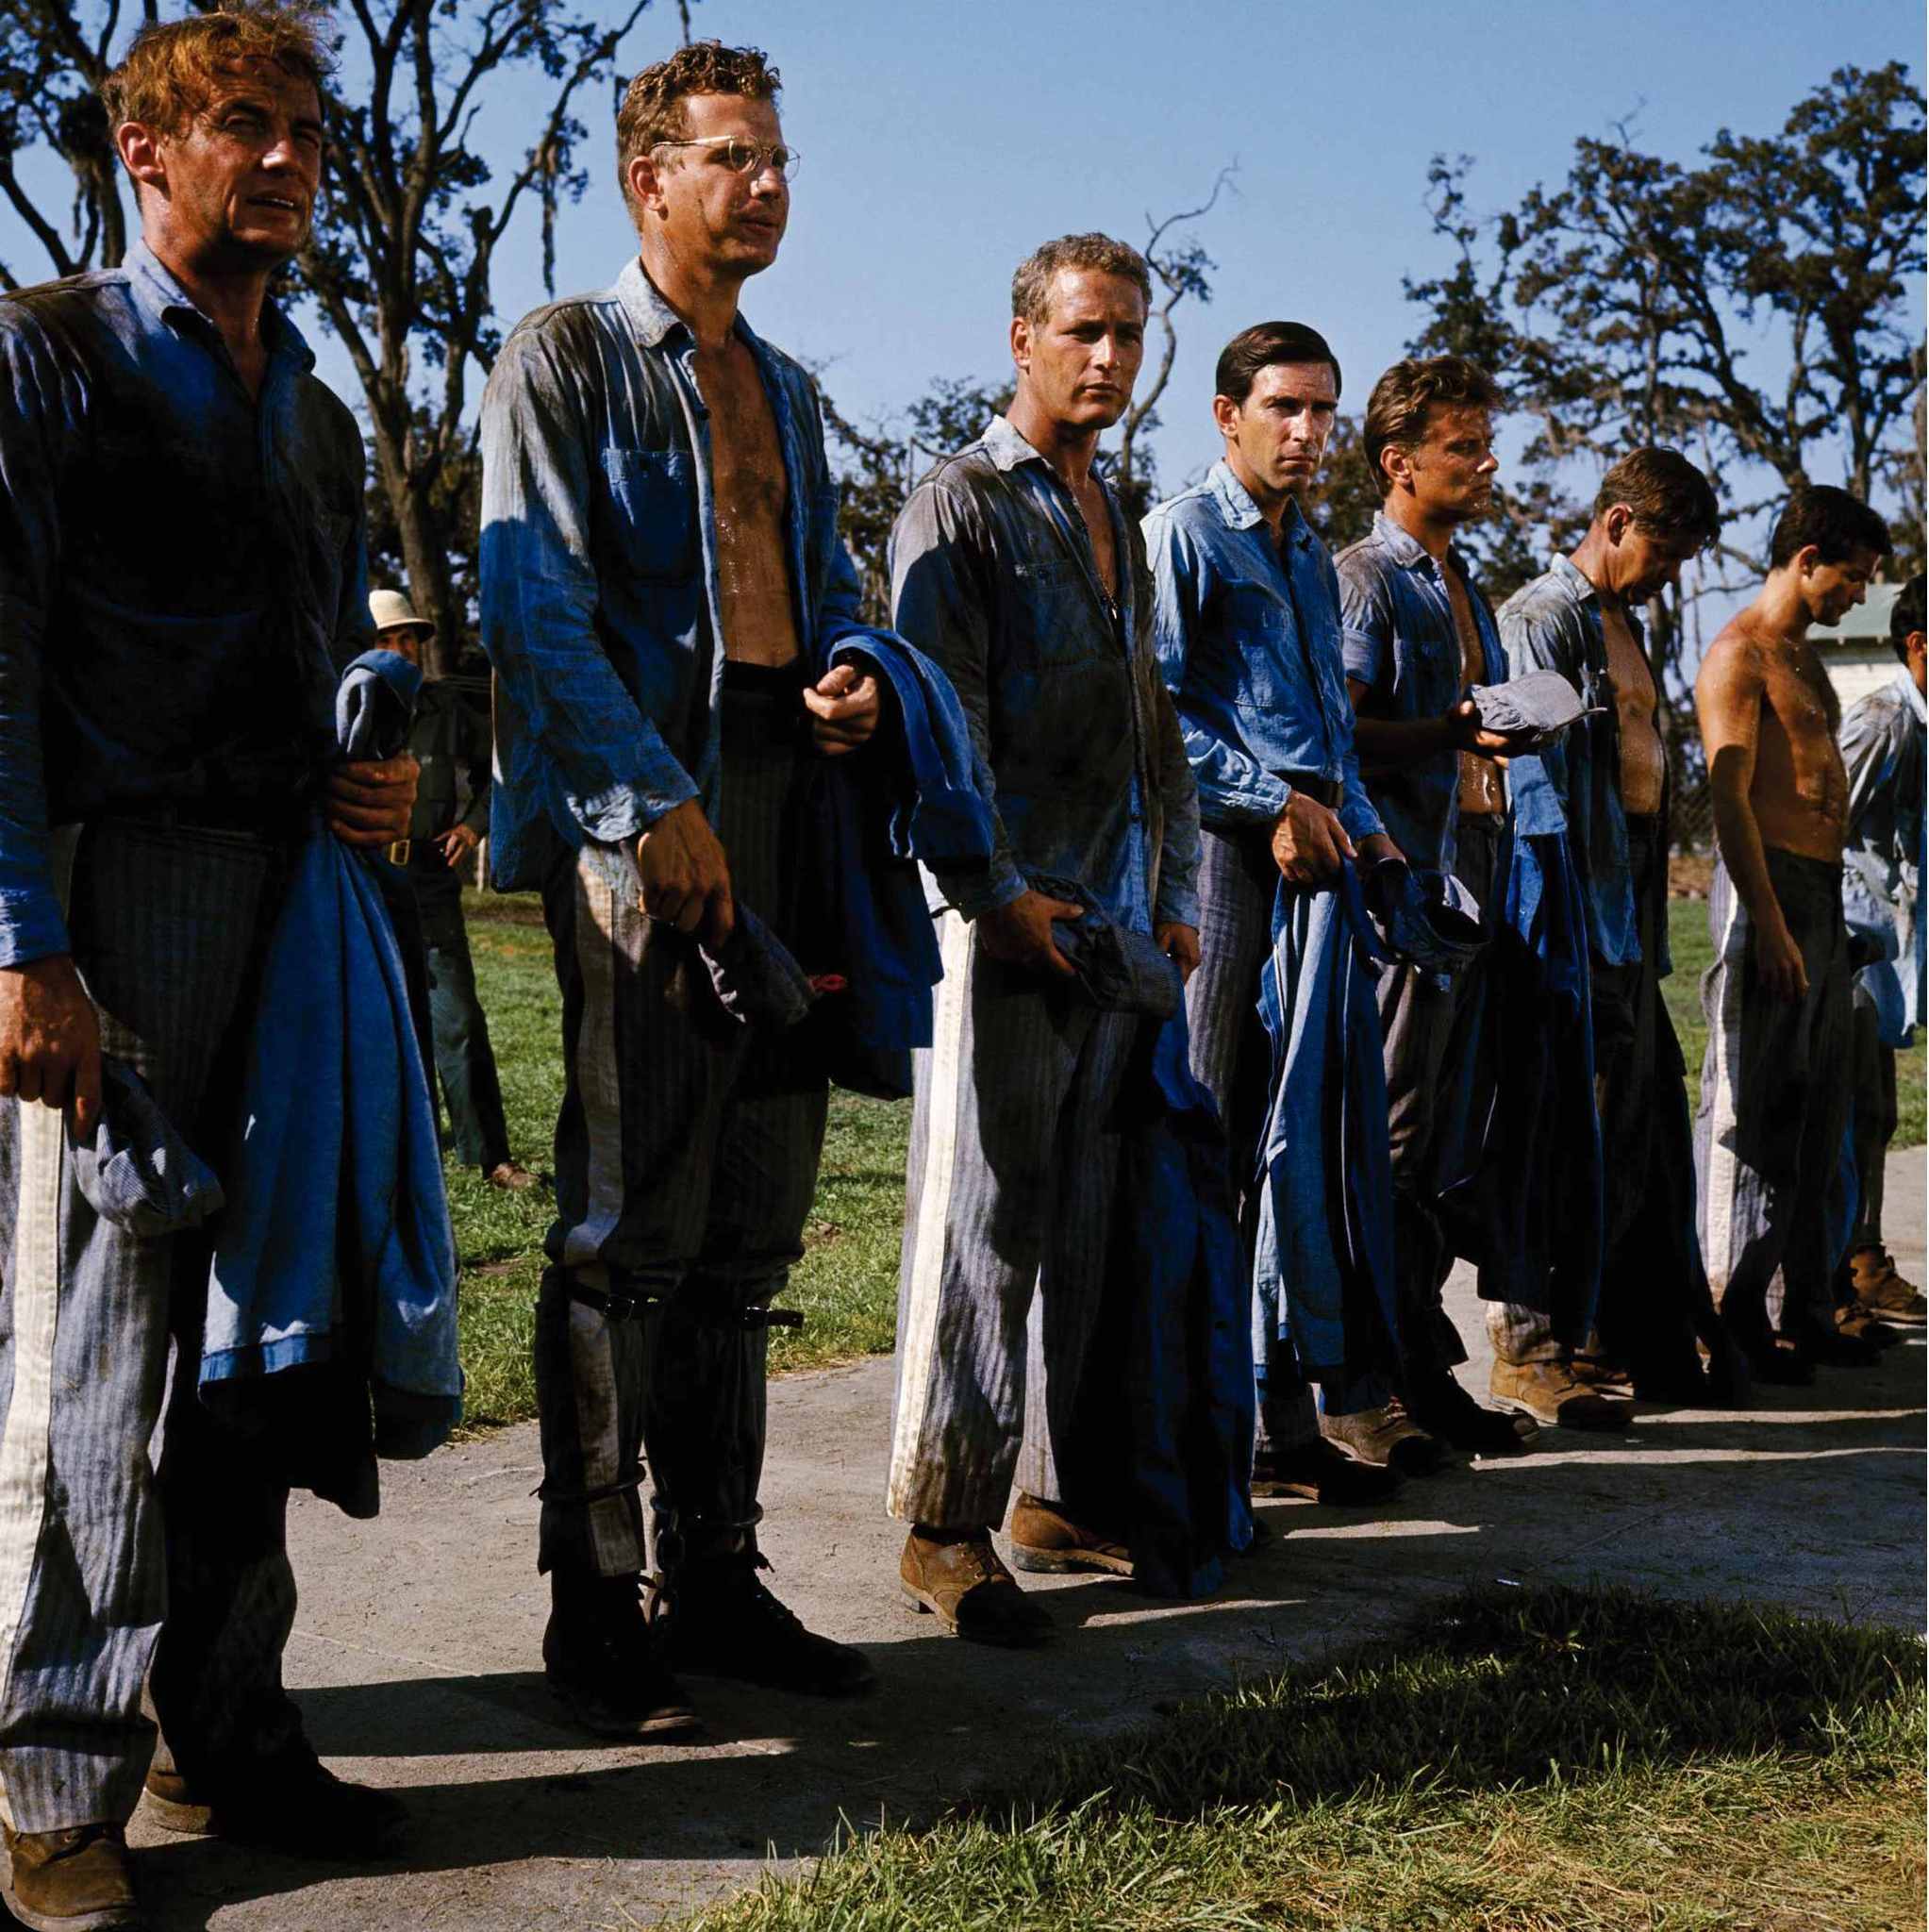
[(1541, 1762), (847, 1282)]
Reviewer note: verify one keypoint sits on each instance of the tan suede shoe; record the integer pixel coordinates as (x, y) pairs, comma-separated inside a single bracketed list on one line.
[(961, 1582), (1388, 1437), (1884, 1294), (1549, 1393), (1044, 1540), (75, 1880)]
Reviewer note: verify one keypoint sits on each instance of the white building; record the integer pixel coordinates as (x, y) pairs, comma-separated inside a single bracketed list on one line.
[(1856, 651)]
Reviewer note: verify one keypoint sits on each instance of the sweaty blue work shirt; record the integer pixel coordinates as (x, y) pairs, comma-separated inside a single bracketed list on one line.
[(1249, 641), (1553, 623), (1882, 747), (1402, 644), (182, 576), (600, 598), (993, 575)]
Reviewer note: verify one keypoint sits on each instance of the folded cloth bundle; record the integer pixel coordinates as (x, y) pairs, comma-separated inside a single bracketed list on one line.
[(758, 982), (1417, 925), (1542, 701), (136, 1172), (1119, 970)]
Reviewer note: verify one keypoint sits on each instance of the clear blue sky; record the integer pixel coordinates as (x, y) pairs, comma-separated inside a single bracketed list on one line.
[(940, 142)]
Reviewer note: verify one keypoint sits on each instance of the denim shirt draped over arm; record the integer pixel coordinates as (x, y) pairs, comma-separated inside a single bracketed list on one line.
[(1248, 642), (599, 575), (1553, 623), (182, 572), (1401, 643), (994, 578)]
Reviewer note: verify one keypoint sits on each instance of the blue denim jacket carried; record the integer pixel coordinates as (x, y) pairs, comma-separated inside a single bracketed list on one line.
[(182, 575), (1553, 623), (1249, 640), (994, 574), (1402, 644)]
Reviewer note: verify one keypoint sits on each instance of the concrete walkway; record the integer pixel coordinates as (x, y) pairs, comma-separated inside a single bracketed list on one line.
[(417, 1645)]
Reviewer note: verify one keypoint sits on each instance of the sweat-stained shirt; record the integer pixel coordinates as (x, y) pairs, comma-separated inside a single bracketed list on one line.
[(993, 575), (182, 576)]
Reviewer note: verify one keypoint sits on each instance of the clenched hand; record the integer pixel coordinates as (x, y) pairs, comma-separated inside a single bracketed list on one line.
[(843, 709), (685, 874), (370, 803), (50, 1039)]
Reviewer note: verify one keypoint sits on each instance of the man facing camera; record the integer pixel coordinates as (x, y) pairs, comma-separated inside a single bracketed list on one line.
[(1013, 566)]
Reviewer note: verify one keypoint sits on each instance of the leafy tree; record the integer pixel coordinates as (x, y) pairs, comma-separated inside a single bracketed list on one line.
[(1629, 303)]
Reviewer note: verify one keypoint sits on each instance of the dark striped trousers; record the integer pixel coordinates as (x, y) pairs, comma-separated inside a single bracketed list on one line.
[(1008, 1204), (95, 1543), (686, 1158), (1776, 1096)]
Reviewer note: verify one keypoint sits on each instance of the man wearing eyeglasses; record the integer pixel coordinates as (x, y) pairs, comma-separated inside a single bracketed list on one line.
[(659, 564)]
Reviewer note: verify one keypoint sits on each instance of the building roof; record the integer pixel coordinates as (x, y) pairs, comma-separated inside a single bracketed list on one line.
[(1867, 623)]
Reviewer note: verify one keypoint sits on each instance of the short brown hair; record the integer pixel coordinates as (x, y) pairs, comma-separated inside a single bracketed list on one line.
[(1397, 410), (1669, 496), (1031, 282), (1262, 345), (652, 110), (169, 73), (1838, 523)]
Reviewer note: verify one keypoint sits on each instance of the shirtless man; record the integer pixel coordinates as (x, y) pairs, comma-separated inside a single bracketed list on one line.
[(1775, 1084), (1654, 510), (641, 453)]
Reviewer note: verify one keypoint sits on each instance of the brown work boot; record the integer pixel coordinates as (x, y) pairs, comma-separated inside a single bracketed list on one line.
[(1549, 1393), (289, 1803), (956, 1577), (1044, 1540), (1885, 1294), (75, 1880), (1316, 1472), (1386, 1437), (1852, 1319)]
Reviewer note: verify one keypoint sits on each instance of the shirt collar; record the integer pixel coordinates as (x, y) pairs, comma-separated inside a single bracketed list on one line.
[(652, 317), (1240, 513), (1917, 702), (1579, 586), (1406, 549), (1006, 445), (163, 301)]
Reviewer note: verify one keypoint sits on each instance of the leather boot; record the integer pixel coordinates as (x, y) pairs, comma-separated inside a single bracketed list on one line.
[(1386, 1437), (1549, 1393), (956, 1577), (291, 1803), (1884, 1292), (73, 1880), (723, 1623), (603, 1664), (1044, 1539), (1316, 1472)]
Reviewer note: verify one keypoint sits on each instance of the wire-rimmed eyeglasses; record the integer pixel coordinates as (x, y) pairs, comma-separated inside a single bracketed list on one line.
[(742, 157)]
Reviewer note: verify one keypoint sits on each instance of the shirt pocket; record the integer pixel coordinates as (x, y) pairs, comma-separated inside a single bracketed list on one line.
[(652, 505), (1056, 609), (1269, 673)]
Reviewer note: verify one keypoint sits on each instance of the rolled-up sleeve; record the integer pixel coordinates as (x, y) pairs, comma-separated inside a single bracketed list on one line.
[(939, 552), (538, 593), (1234, 788), (39, 409)]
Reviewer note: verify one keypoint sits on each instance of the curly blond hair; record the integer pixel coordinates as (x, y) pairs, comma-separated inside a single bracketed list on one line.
[(652, 107)]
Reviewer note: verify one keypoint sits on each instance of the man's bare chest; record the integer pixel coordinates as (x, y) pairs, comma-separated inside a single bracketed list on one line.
[(1799, 717)]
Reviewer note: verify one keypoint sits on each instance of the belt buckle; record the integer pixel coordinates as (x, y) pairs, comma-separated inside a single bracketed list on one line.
[(396, 853)]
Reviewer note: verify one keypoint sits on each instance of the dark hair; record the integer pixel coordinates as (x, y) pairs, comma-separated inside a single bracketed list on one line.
[(652, 107), (1836, 523), (1031, 281), (1906, 615), (170, 70), (1397, 410), (1263, 345), (1669, 496)]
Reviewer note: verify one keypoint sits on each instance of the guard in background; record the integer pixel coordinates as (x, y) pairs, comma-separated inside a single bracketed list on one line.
[(451, 745)]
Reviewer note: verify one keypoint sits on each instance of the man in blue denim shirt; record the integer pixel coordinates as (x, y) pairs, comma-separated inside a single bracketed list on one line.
[(1013, 566), (661, 562), (1419, 632), (1654, 512), (181, 583), (1249, 640)]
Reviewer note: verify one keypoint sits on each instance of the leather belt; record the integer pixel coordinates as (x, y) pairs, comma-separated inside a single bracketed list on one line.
[(1324, 791)]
